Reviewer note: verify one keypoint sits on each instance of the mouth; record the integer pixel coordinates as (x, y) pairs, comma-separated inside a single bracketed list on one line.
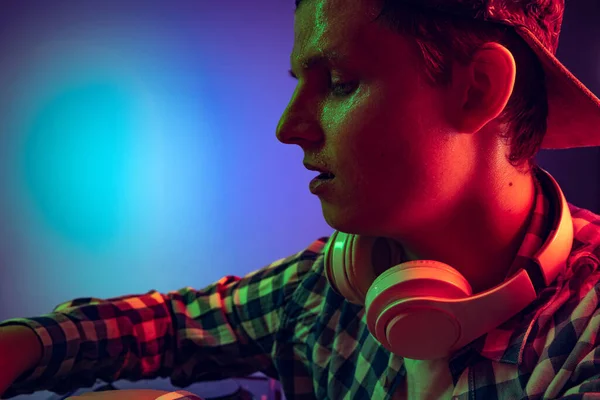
[(321, 183), (325, 176)]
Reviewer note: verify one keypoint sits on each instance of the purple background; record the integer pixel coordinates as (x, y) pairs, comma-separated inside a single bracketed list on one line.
[(138, 149)]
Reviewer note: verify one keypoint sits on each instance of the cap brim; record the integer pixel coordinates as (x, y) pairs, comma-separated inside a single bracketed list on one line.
[(573, 110)]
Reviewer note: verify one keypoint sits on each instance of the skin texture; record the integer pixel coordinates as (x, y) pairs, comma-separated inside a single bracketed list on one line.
[(20, 350), (413, 162)]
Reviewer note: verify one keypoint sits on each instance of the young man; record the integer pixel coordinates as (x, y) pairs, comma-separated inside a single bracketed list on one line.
[(457, 269)]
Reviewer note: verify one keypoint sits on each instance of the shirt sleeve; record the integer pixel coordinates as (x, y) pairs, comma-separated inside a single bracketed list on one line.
[(226, 329)]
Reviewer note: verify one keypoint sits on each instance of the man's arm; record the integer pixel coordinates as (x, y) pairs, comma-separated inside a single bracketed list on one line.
[(226, 329), (20, 350)]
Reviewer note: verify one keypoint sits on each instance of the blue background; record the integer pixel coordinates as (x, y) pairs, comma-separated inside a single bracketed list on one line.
[(138, 149)]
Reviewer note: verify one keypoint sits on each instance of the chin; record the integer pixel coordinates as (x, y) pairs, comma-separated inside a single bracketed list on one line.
[(350, 220)]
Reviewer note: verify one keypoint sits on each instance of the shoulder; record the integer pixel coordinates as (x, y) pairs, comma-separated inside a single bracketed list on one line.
[(565, 338), (290, 271), (584, 259), (306, 282), (582, 274), (586, 233), (576, 293)]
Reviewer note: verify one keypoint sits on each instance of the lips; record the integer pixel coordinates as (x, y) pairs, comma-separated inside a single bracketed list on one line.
[(321, 183)]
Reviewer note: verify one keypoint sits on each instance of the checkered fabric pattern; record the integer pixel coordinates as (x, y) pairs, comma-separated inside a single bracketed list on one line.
[(286, 321)]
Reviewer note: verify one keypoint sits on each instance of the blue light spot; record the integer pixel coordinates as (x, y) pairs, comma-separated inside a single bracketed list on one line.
[(75, 161)]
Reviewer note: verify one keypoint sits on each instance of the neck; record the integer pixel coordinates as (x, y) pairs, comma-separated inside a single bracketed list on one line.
[(481, 235)]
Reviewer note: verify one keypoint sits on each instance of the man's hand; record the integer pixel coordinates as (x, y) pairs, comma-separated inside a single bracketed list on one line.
[(20, 350)]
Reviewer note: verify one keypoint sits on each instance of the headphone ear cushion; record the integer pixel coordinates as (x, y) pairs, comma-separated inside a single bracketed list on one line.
[(343, 253), (418, 278), (392, 320), (352, 263)]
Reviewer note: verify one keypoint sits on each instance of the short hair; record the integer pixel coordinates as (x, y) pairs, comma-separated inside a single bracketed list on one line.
[(443, 38)]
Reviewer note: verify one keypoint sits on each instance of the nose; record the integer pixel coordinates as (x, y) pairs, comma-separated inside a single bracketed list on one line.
[(298, 125)]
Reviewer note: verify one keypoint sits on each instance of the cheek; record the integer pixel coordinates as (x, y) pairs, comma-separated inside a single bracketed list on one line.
[(386, 138), (380, 133)]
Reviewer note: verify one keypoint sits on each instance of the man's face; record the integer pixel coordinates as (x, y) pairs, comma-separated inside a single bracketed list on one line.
[(383, 133)]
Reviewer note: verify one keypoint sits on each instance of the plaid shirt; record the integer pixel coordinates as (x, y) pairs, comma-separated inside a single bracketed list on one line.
[(286, 321)]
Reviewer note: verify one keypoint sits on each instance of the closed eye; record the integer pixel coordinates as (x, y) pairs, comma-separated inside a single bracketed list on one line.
[(342, 89), (339, 89)]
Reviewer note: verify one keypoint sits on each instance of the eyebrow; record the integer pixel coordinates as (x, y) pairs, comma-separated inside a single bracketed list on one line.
[(322, 58)]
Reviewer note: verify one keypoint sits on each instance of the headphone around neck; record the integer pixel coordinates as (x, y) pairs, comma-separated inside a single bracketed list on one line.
[(425, 309)]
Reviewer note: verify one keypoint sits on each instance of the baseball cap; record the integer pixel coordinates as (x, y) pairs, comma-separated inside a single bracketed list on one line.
[(573, 110)]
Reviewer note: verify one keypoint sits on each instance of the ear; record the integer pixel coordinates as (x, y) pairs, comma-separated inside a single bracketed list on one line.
[(480, 90)]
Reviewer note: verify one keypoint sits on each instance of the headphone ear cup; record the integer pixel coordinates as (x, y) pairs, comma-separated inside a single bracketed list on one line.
[(421, 278), (341, 257), (397, 325), (352, 263)]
